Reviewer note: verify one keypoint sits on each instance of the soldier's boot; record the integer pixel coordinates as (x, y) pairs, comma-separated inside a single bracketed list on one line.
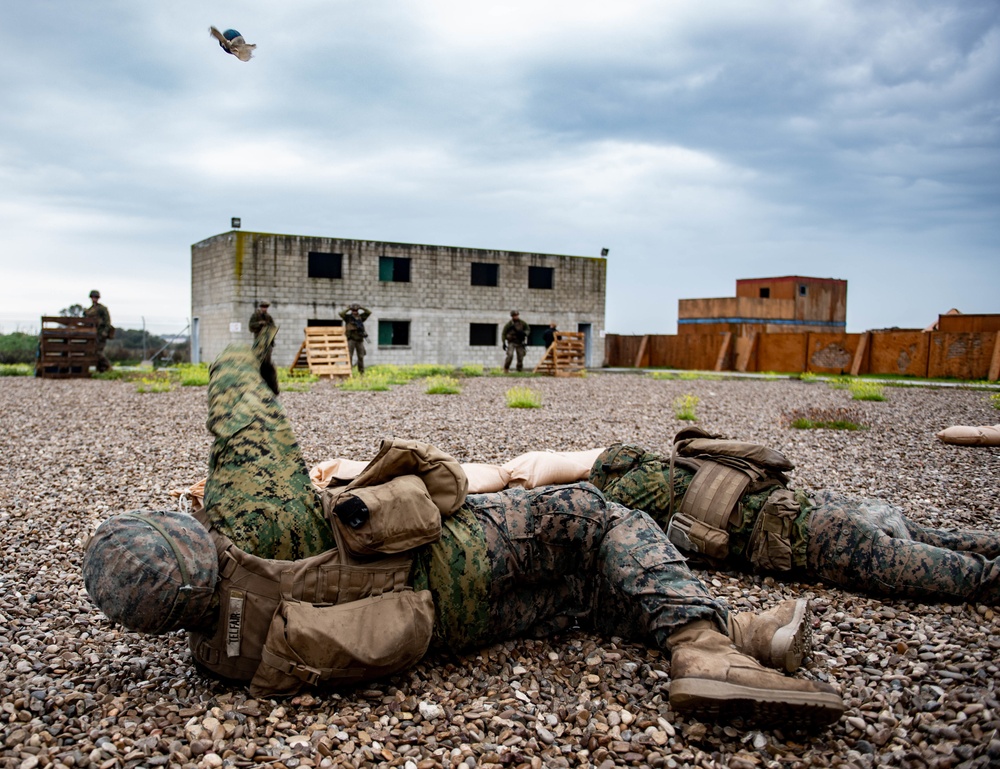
[(711, 679), (779, 637)]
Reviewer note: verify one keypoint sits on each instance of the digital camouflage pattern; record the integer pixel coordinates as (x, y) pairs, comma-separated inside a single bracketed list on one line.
[(152, 572), (258, 492), (639, 479), (868, 545)]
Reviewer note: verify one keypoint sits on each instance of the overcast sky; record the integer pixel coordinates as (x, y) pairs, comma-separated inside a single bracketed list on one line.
[(700, 142)]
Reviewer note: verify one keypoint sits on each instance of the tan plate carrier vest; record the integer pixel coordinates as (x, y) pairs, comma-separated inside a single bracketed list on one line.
[(723, 472), (349, 614)]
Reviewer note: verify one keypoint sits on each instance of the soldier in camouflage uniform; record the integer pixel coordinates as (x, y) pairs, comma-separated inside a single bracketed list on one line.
[(354, 318), (515, 563), (515, 336), (260, 318), (104, 328), (865, 545)]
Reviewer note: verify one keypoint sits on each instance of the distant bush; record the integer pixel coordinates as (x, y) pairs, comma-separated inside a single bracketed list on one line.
[(18, 347)]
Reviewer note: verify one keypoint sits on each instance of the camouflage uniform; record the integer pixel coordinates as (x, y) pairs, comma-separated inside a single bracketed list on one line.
[(507, 564), (100, 312), (354, 330), (515, 336), (860, 544), (260, 318)]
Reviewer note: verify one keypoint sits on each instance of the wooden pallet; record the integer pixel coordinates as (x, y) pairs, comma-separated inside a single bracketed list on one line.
[(324, 352), (67, 347), (566, 356)]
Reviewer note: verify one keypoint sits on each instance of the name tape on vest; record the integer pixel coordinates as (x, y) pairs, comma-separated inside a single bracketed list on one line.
[(234, 623)]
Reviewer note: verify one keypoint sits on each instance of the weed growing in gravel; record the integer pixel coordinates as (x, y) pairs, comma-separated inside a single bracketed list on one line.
[(16, 369), (839, 382), (154, 385), (472, 369), (808, 377), (824, 419), (863, 390), (684, 407), (995, 400), (662, 375), (523, 398), (192, 374), (442, 385), (371, 380)]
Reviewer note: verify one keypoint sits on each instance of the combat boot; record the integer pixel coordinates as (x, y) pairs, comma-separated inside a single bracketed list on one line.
[(711, 679), (779, 637)]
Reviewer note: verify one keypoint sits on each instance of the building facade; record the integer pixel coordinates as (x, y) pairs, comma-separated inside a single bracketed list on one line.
[(770, 306), (429, 304)]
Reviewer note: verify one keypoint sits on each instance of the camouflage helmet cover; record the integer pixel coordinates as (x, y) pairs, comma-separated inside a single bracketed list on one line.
[(95, 293), (152, 572)]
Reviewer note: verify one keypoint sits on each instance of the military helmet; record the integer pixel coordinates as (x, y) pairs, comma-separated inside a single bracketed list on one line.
[(96, 294), (514, 313), (152, 572)]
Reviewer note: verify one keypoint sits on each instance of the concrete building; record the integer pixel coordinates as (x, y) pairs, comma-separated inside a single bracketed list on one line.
[(430, 304), (769, 305)]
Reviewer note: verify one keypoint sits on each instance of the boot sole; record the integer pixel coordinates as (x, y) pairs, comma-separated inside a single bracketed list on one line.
[(792, 642), (711, 700)]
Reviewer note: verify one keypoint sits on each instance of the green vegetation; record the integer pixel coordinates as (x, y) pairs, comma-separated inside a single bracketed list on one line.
[(808, 377), (684, 407), (18, 347), (995, 400), (523, 398), (16, 369), (862, 390), (442, 385), (472, 369), (192, 374), (825, 419), (661, 375), (154, 384)]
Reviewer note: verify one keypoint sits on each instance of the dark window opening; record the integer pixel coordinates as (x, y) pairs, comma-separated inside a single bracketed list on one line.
[(765, 293), (323, 265), (802, 290), (540, 277), (394, 269), (482, 334), (393, 333), (536, 336), (485, 274), (324, 322)]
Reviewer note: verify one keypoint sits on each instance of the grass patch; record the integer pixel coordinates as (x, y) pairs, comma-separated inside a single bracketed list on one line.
[(995, 400), (191, 374), (372, 381), (472, 369), (523, 398), (154, 384), (808, 377), (862, 390), (684, 407), (442, 385), (16, 369), (663, 375), (825, 419)]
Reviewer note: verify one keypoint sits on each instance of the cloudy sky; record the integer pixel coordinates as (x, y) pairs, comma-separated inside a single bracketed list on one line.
[(700, 141)]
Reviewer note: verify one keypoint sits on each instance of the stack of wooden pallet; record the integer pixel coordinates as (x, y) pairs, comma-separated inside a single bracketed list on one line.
[(566, 356), (67, 347), (324, 352)]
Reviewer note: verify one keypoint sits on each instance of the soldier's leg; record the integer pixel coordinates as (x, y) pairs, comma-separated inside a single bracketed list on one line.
[(509, 357), (351, 348), (520, 357), (985, 543), (360, 347), (258, 491), (852, 543)]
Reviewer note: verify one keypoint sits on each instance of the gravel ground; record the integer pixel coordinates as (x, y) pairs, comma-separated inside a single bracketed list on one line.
[(920, 681)]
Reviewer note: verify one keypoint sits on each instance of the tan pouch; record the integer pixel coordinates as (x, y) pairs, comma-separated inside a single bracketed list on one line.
[(695, 536), (771, 538), (401, 516), (344, 643)]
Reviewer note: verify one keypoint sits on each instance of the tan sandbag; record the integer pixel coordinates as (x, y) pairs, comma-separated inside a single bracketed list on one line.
[(964, 435), (325, 473), (484, 478), (542, 468)]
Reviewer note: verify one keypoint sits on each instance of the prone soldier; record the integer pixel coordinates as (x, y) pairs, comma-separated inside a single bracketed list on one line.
[(282, 586)]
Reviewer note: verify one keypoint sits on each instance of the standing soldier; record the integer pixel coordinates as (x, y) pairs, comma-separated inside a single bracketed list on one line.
[(515, 335), (260, 318), (105, 330), (354, 318)]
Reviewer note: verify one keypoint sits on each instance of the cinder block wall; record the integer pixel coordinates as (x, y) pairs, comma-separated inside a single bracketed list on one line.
[(232, 272)]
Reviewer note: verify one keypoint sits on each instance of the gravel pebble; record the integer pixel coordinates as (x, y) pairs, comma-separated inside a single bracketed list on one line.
[(920, 681)]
